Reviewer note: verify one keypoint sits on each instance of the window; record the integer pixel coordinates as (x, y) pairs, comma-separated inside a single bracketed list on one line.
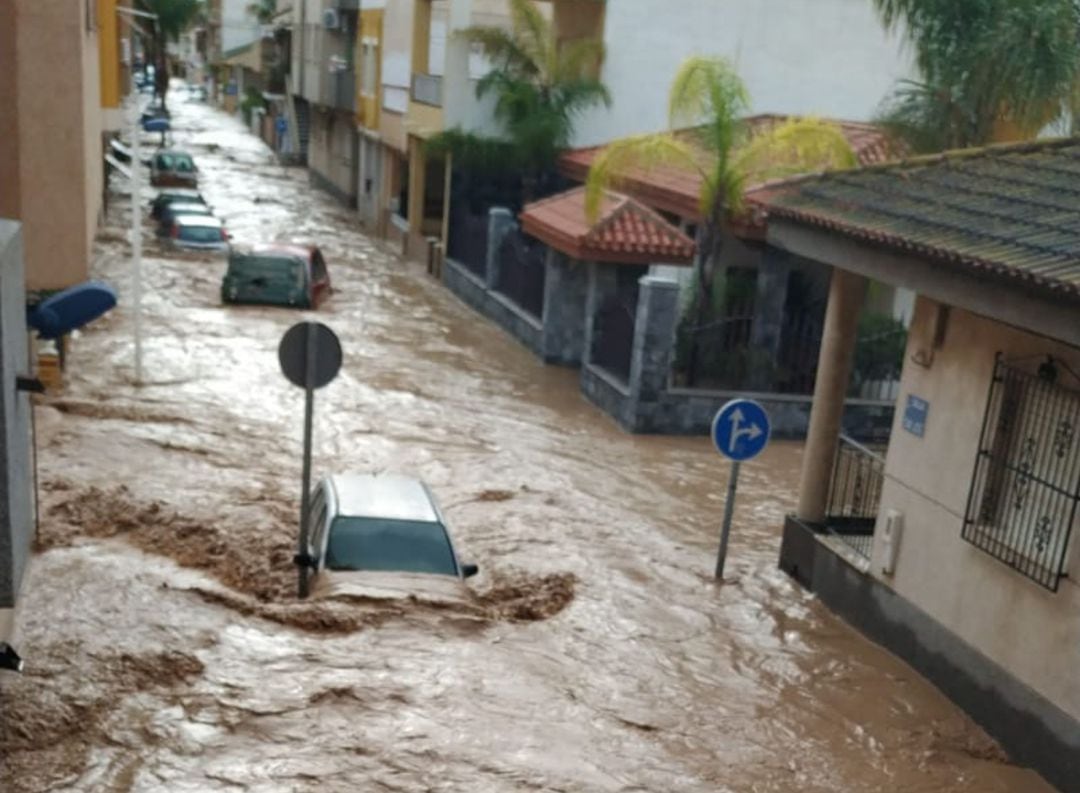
[(369, 69), (1024, 495)]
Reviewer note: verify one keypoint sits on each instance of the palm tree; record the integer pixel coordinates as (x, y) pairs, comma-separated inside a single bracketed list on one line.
[(990, 70), (709, 94), (173, 18), (540, 86)]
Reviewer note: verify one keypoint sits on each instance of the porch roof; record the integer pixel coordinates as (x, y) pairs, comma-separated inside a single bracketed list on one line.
[(625, 231), (1009, 211), (675, 189)]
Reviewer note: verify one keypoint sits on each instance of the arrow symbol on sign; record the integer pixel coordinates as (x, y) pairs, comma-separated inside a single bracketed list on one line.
[(738, 431)]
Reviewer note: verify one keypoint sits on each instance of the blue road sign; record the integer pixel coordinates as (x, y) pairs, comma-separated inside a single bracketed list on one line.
[(915, 415), (741, 429)]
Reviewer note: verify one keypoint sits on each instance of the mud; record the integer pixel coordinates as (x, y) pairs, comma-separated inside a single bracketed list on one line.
[(165, 649)]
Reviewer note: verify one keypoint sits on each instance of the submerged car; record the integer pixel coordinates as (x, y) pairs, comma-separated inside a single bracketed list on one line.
[(279, 275), (172, 168), (170, 195), (176, 209), (383, 534), (197, 232)]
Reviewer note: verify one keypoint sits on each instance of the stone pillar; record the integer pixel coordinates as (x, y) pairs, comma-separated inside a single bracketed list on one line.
[(566, 286), (500, 223), (654, 338), (846, 294)]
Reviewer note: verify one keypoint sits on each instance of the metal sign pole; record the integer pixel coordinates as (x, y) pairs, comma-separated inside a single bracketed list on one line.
[(729, 512), (136, 234), (305, 496)]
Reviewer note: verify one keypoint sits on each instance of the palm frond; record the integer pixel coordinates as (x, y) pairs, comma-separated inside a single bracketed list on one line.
[(577, 59), (501, 47), (534, 36), (704, 88), (639, 153), (796, 146)]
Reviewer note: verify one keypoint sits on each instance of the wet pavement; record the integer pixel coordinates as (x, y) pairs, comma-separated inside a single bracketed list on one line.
[(165, 650)]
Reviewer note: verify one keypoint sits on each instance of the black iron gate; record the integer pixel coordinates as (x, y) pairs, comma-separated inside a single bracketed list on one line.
[(1024, 495), (613, 325), (522, 268)]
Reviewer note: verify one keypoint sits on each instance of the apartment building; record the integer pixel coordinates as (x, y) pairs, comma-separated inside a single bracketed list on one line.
[(324, 91), (51, 167)]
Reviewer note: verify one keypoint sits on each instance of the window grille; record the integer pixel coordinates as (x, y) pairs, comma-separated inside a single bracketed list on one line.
[(1026, 488)]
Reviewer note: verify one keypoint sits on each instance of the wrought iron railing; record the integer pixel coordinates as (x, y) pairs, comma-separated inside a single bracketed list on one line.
[(1026, 488), (427, 89), (855, 495)]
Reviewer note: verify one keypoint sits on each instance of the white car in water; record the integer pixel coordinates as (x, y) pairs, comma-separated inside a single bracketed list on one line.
[(380, 536)]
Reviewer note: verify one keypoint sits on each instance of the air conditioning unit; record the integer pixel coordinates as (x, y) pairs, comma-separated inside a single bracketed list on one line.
[(330, 19)]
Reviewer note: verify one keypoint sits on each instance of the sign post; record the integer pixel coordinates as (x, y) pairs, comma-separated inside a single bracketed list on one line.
[(740, 431), (310, 357)]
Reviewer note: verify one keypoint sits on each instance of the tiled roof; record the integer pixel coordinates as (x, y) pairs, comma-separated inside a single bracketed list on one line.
[(678, 190), (625, 231), (1010, 210)]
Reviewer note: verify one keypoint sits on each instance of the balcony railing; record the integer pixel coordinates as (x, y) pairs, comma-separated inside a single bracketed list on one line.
[(855, 495), (427, 89)]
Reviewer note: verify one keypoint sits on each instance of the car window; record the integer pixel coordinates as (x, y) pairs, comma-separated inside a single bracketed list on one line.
[(200, 234), (393, 545), (268, 268), (318, 267)]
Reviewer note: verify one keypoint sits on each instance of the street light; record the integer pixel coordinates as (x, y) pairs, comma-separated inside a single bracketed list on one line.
[(136, 196)]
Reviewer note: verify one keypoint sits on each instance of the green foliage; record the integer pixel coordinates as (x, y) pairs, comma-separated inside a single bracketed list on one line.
[(708, 93), (990, 69), (539, 87), (263, 10), (879, 348), (253, 98), (174, 16)]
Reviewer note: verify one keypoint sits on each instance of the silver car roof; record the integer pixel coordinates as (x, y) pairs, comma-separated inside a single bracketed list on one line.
[(383, 496), (198, 220)]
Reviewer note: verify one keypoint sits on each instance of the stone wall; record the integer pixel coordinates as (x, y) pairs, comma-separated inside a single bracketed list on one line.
[(647, 403), (557, 337)]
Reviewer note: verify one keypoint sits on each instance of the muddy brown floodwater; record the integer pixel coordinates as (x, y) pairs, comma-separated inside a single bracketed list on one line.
[(165, 651)]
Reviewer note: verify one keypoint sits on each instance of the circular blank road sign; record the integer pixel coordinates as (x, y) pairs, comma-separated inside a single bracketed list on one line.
[(293, 354)]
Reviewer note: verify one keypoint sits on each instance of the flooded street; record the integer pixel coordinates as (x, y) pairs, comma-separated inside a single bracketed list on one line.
[(165, 650)]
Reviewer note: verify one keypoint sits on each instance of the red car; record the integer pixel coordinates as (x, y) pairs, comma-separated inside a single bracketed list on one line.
[(280, 274)]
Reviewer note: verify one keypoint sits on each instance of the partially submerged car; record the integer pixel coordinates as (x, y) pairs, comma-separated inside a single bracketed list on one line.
[(173, 168), (278, 274), (176, 209), (197, 232), (380, 536), (169, 195)]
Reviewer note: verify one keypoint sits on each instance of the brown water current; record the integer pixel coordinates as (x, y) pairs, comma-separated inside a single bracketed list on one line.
[(166, 652)]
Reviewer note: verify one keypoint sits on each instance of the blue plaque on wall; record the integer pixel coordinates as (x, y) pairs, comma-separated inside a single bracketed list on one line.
[(915, 415)]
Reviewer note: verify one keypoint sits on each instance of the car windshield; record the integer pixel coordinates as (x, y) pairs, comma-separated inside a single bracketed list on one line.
[(200, 234), (397, 545), (269, 268)]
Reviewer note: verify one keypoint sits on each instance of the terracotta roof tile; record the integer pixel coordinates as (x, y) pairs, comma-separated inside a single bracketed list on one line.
[(625, 231)]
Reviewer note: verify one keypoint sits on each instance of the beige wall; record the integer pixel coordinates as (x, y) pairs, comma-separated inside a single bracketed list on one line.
[(58, 110), (331, 149), (396, 71), (1028, 630), (9, 125)]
